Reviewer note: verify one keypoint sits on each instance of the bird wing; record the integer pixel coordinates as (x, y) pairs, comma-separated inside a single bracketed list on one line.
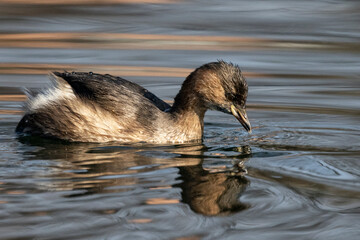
[(109, 92)]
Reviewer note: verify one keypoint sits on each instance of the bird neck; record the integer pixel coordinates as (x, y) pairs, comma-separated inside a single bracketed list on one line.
[(189, 111)]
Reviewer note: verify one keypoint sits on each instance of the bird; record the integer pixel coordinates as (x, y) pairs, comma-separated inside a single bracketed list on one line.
[(91, 107)]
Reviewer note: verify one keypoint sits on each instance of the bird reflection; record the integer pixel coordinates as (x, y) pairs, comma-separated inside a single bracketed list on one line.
[(212, 193), (85, 169)]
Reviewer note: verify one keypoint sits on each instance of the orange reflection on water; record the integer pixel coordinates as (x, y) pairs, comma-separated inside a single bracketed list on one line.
[(10, 112), (44, 68), (160, 187), (189, 238), (12, 98), (15, 192), (84, 2), (117, 70), (152, 201), (140, 220), (130, 41)]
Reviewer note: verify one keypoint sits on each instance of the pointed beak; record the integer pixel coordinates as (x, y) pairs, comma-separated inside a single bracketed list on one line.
[(240, 115)]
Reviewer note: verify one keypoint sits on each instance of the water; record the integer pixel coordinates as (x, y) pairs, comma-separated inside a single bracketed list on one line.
[(295, 177)]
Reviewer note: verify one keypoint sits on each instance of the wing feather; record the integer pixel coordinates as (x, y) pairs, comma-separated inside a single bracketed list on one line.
[(108, 91)]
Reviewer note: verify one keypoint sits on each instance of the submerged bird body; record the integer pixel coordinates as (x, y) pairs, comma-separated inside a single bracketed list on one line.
[(87, 107)]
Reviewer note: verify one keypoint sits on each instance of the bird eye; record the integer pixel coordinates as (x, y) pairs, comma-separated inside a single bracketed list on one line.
[(230, 96)]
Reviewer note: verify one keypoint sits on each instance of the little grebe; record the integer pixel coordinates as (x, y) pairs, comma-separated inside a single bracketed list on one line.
[(89, 107)]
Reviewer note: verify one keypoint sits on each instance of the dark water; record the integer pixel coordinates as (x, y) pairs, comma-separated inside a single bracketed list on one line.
[(295, 177)]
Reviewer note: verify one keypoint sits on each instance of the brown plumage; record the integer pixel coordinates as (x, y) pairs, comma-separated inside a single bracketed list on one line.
[(88, 107)]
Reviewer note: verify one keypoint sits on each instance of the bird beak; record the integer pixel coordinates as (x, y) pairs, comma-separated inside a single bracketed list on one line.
[(240, 115)]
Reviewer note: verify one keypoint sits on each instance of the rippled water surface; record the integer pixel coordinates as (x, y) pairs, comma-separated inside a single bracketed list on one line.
[(295, 177)]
